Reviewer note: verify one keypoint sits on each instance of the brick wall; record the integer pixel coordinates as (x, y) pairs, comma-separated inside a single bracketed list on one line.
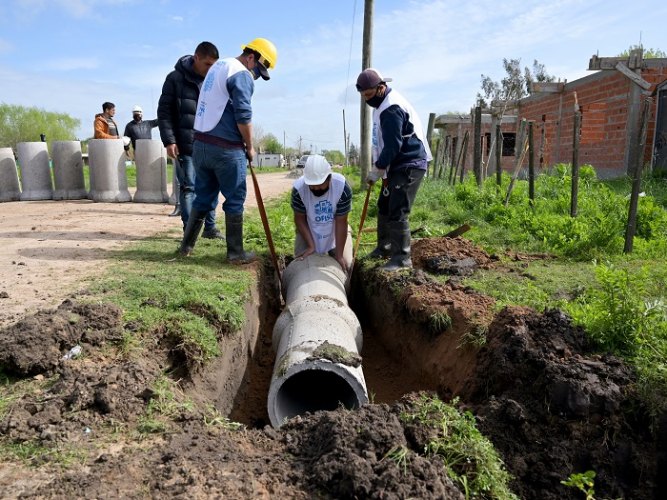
[(604, 99)]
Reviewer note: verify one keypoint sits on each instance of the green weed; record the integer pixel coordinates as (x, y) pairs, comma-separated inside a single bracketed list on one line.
[(440, 321), (401, 455), (167, 404), (213, 418), (465, 451)]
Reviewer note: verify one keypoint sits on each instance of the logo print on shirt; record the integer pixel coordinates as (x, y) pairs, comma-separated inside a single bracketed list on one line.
[(208, 83), (323, 211)]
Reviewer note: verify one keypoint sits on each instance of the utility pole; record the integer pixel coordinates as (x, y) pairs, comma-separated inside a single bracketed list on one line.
[(284, 147), (366, 57), (344, 137)]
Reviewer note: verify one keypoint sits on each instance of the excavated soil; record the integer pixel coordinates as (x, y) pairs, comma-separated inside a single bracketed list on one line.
[(550, 405)]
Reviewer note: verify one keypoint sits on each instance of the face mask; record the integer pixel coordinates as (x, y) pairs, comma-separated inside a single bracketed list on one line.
[(137, 118), (375, 101), (319, 192)]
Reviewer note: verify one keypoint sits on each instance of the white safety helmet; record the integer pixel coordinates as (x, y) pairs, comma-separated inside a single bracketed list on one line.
[(126, 140), (137, 109), (317, 170)]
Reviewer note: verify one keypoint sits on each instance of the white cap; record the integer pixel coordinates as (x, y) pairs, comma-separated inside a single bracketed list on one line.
[(137, 109), (316, 171)]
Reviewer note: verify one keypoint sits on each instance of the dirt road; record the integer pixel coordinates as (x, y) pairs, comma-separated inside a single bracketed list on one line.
[(48, 247)]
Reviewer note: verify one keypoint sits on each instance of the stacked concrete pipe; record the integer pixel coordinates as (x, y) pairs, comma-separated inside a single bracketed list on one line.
[(68, 171), (151, 161), (35, 171), (10, 189), (108, 177), (317, 339)]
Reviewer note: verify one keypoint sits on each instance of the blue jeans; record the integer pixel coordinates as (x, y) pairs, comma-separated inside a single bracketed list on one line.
[(185, 172), (219, 170)]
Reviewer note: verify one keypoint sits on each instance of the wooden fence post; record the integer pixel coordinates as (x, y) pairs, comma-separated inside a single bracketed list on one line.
[(429, 138), (454, 163), (636, 182), (575, 164), (520, 150), (499, 155), (462, 156), (531, 162), (477, 151)]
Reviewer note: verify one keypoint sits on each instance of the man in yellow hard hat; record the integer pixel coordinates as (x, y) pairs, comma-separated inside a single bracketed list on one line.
[(223, 142)]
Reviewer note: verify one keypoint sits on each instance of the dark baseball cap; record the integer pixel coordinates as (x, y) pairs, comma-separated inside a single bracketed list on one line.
[(370, 78)]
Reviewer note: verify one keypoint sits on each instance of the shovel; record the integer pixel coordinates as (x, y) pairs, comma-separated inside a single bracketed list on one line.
[(348, 282), (267, 230), (458, 231)]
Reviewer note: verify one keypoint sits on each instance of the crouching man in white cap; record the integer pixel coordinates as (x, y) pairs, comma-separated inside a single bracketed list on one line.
[(321, 201)]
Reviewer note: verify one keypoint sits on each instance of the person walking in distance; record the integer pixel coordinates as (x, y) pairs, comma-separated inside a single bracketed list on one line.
[(321, 201), (401, 155), (223, 142), (176, 118)]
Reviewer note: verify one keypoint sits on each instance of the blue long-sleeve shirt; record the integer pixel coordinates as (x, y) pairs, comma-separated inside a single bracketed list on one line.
[(398, 150), (239, 108)]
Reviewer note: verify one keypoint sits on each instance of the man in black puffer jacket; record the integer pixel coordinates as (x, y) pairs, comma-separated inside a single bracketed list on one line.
[(176, 118)]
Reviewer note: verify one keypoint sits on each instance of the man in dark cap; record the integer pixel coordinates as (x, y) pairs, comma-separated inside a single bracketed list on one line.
[(400, 156)]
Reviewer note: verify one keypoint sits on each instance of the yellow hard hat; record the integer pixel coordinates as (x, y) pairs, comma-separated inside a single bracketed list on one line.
[(267, 51)]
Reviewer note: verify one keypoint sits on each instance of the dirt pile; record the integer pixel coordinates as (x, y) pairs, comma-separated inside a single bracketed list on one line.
[(551, 408)]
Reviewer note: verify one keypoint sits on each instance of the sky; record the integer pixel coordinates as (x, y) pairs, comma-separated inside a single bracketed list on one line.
[(70, 56)]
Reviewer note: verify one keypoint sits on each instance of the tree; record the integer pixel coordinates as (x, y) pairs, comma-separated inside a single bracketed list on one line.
[(648, 53), (353, 154), (271, 145), (515, 85), (335, 157), (25, 124)]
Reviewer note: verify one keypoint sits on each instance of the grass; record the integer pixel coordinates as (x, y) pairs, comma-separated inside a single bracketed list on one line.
[(470, 459), (34, 454), (166, 405), (194, 300)]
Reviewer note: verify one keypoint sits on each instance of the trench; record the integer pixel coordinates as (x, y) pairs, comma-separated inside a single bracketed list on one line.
[(393, 365)]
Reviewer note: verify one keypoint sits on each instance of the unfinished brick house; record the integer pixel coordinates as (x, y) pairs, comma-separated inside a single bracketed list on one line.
[(610, 101)]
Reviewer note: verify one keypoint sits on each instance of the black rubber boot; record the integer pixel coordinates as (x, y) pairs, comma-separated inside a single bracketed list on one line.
[(191, 233), (400, 246), (214, 234), (234, 229), (383, 249)]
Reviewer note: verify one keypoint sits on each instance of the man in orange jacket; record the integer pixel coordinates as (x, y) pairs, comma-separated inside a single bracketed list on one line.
[(105, 126)]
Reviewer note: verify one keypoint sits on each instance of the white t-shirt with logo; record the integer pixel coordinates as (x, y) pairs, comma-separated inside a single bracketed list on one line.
[(321, 211)]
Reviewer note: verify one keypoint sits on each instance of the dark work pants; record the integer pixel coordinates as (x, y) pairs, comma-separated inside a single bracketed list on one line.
[(397, 197)]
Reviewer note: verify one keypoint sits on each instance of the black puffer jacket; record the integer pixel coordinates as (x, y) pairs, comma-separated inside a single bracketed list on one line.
[(178, 105)]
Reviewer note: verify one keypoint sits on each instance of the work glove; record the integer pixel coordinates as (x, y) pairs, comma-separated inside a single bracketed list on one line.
[(374, 175)]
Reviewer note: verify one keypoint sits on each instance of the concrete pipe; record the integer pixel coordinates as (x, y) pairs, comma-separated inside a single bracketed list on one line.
[(35, 171), (317, 339), (10, 189), (108, 178), (151, 159), (68, 171)]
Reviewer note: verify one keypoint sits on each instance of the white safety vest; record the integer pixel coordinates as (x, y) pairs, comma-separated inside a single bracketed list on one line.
[(213, 97), (391, 99), (321, 211)]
